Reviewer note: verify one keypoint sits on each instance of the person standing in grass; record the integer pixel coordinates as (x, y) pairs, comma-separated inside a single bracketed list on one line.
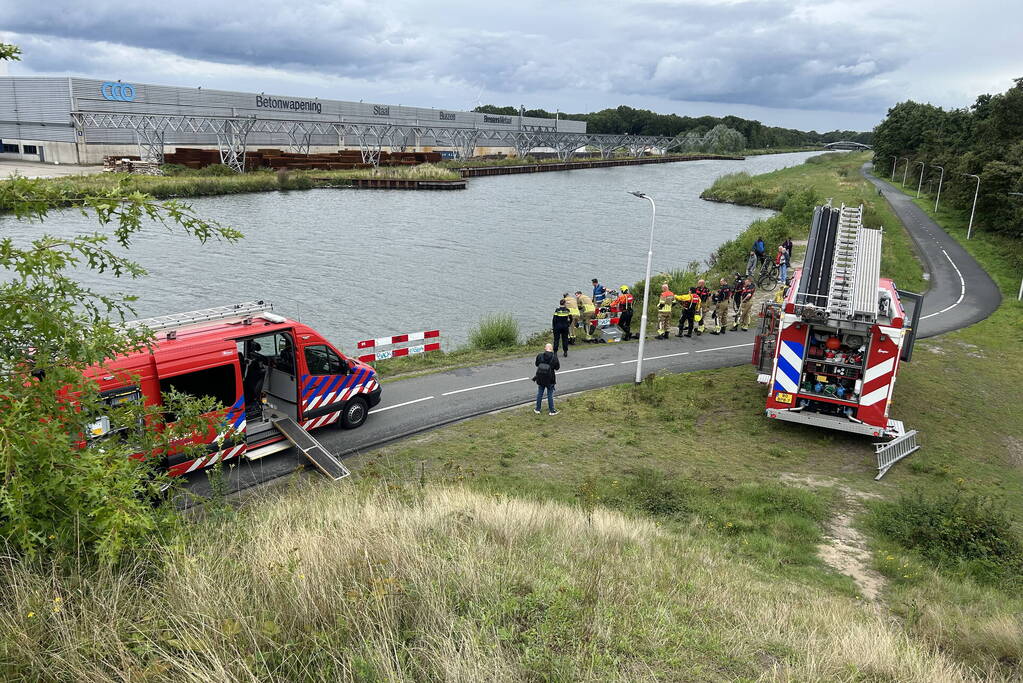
[(782, 259), (547, 365), (746, 293)]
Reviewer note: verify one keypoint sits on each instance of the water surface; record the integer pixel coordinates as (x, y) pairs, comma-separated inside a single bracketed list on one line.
[(358, 264)]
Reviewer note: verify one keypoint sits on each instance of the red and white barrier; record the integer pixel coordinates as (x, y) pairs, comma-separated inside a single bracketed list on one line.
[(399, 339)]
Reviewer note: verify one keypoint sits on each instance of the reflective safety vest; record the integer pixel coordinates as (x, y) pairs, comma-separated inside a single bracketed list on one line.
[(562, 318), (665, 302), (572, 305), (624, 302), (586, 304), (703, 292), (748, 291), (599, 293)]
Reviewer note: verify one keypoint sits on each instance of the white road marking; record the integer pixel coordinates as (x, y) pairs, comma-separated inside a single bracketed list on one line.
[(592, 367), (962, 289), (399, 405), (670, 355), (485, 386), (722, 348)]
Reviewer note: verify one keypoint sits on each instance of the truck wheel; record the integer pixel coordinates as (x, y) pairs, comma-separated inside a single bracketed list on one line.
[(355, 413)]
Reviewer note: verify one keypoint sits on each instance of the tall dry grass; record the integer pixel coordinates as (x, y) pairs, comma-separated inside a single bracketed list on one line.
[(338, 583)]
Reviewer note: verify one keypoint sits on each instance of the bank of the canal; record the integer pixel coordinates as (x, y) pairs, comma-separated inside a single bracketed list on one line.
[(366, 264)]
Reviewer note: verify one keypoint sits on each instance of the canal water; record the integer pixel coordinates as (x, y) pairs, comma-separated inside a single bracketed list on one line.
[(356, 264)]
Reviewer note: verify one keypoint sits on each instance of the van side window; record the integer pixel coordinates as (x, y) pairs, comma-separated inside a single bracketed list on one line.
[(218, 382), (321, 360)]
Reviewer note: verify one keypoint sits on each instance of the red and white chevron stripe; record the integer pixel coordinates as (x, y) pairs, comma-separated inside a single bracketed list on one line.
[(876, 380), (879, 376), (341, 396), (207, 460), (321, 420), (399, 339)]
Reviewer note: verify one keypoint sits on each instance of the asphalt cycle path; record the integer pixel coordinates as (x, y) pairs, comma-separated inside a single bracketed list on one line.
[(960, 294)]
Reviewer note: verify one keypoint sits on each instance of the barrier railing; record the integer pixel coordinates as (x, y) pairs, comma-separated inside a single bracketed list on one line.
[(386, 353)]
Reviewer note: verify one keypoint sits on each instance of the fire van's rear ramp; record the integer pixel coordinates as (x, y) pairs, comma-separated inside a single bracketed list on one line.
[(311, 448)]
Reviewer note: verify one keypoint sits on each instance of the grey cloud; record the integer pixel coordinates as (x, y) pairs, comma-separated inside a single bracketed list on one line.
[(760, 52), (345, 37)]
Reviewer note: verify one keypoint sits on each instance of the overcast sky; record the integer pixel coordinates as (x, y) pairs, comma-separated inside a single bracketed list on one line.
[(803, 64)]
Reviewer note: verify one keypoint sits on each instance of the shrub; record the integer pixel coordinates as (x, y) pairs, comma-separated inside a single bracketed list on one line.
[(494, 332), (970, 531), (217, 170)]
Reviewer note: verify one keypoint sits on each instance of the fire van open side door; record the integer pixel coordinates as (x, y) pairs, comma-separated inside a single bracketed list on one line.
[(912, 305), (211, 370)]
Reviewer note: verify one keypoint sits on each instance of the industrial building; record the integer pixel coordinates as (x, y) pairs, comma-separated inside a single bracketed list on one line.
[(81, 120)]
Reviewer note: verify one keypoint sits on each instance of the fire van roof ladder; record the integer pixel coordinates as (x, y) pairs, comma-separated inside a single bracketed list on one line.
[(164, 322)]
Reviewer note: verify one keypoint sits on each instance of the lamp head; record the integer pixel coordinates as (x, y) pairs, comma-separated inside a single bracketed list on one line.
[(641, 195)]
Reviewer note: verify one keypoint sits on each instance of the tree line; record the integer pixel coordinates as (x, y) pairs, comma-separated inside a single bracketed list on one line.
[(985, 139), (626, 120)]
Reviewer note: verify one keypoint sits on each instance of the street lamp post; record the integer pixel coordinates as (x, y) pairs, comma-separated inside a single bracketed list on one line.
[(969, 229), (923, 165), (1019, 297), (895, 164), (940, 178), (905, 171), (646, 284)]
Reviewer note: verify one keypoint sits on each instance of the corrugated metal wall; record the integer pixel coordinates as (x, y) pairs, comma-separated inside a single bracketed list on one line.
[(35, 109), (38, 108)]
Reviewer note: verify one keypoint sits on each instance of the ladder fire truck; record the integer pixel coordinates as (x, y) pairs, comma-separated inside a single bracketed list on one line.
[(831, 352)]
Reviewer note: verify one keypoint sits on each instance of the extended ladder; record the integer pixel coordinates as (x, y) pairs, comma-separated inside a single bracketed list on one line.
[(319, 456), (163, 322), (843, 269)]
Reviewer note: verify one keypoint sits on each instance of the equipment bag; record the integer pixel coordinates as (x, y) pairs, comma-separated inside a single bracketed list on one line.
[(544, 373)]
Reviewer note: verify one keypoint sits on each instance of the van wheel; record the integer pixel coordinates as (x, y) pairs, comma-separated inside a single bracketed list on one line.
[(355, 413)]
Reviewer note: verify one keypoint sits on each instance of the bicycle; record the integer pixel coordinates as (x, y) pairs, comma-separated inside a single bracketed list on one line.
[(766, 277)]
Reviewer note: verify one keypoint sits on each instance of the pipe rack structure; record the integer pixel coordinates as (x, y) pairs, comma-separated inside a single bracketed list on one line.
[(152, 131)]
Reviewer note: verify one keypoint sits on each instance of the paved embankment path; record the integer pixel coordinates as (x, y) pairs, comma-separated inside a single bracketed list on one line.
[(961, 293)]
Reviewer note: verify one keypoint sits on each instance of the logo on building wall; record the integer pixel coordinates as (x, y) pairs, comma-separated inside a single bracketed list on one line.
[(447, 116), (381, 111), (117, 92)]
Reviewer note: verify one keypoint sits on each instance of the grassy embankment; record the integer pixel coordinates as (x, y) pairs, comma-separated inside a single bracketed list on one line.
[(203, 185), (661, 532), (779, 150)]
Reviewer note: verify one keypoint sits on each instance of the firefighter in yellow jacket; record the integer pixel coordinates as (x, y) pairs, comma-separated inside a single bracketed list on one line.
[(664, 305), (573, 310), (587, 311)]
